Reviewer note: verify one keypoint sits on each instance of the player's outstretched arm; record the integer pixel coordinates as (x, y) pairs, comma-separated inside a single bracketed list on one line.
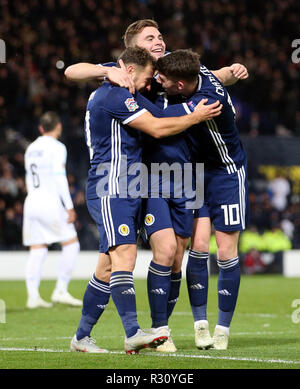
[(162, 127), (84, 72), (229, 75)]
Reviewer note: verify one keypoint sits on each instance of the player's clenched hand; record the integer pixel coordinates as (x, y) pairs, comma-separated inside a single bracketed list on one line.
[(120, 76), (239, 71), (71, 215), (206, 112)]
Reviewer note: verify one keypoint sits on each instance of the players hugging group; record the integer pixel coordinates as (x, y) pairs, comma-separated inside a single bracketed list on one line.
[(157, 107)]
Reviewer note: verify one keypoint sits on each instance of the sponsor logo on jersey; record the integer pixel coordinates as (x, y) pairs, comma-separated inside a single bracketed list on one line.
[(131, 104), (124, 230), (149, 219)]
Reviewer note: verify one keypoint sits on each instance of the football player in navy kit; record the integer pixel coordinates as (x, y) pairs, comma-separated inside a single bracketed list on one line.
[(113, 124), (166, 242), (215, 142)]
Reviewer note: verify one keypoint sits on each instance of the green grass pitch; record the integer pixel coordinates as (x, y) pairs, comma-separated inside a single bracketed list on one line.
[(263, 333)]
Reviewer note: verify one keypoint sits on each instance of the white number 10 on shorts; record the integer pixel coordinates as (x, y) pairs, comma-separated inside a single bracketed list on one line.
[(231, 214)]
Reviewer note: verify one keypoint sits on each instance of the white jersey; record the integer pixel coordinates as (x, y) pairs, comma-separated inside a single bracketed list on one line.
[(45, 215), (45, 161)]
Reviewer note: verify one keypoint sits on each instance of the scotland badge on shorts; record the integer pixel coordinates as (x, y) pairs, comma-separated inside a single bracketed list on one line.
[(124, 230), (131, 104), (149, 219)]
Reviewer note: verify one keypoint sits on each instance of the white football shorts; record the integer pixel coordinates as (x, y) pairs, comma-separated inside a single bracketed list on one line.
[(45, 221)]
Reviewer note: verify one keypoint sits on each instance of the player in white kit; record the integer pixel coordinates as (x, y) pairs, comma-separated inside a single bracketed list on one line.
[(49, 214)]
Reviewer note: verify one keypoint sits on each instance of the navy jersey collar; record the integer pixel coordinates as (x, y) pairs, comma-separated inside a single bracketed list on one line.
[(199, 82)]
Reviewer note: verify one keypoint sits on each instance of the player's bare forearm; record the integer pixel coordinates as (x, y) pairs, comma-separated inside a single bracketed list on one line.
[(229, 75), (163, 127), (83, 72)]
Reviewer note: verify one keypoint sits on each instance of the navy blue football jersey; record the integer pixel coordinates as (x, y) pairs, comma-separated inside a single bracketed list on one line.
[(169, 149), (109, 110), (215, 142)]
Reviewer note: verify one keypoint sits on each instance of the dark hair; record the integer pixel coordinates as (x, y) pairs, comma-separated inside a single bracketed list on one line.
[(49, 120), (179, 65), (135, 28), (138, 56)]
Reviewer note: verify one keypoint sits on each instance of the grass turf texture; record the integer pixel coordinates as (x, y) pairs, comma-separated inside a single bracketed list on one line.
[(263, 335)]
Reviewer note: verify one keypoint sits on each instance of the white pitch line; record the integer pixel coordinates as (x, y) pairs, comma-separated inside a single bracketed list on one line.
[(245, 333), (263, 333), (54, 338), (243, 359), (46, 350), (121, 336), (260, 360), (254, 314)]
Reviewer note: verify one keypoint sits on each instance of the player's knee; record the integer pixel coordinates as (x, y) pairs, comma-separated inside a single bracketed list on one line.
[(123, 257), (104, 273), (227, 251), (104, 276), (165, 253), (200, 245)]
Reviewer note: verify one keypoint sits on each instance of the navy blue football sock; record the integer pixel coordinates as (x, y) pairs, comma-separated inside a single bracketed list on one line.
[(228, 289), (174, 292), (158, 285), (197, 283), (123, 295), (95, 300)]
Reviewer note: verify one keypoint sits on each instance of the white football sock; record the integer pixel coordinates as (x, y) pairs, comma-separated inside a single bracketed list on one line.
[(34, 270), (224, 329), (66, 265)]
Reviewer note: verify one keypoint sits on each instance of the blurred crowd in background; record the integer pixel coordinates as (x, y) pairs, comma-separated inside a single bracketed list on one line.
[(43, 38)]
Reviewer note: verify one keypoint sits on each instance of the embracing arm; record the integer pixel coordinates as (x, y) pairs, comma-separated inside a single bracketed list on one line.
[(229, 75), (167, 126), (83, 72)]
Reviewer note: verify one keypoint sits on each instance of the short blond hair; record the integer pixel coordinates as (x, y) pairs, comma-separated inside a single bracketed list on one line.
[(135, 28)]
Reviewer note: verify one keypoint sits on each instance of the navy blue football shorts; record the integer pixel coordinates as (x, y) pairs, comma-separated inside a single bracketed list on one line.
[(226, 200), (117, 220), (161, 213)]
